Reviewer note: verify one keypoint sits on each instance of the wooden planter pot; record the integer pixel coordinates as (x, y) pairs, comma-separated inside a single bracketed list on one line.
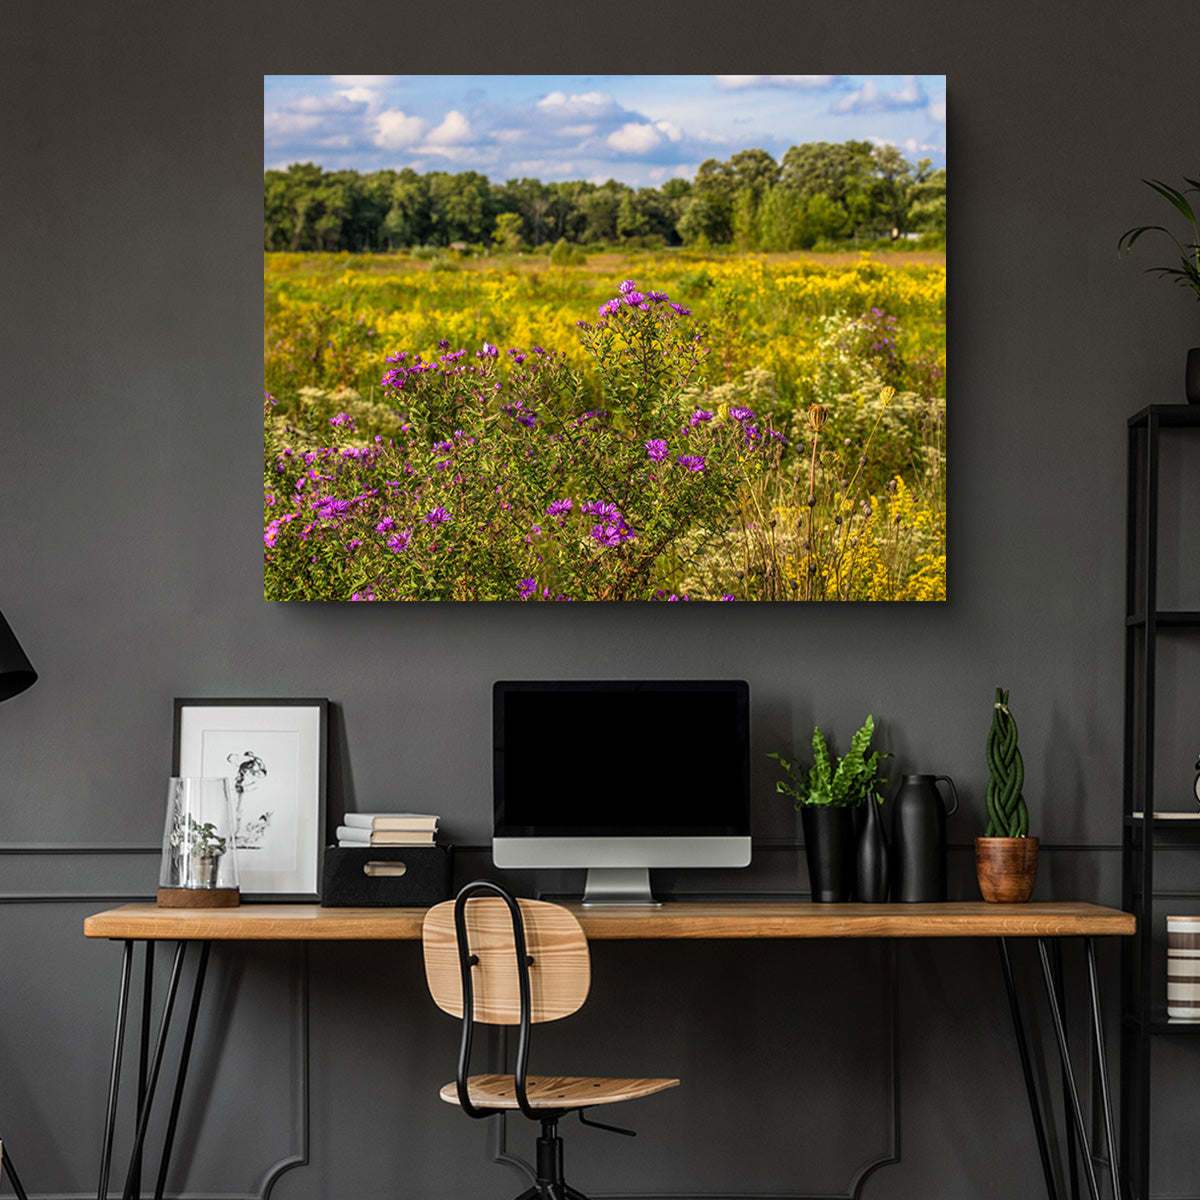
[(1006, 868)]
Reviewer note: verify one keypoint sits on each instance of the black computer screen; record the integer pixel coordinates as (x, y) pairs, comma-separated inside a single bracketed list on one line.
[(650, 758)]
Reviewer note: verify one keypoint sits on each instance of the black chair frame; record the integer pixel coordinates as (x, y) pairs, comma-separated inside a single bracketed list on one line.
[(549, 1184)]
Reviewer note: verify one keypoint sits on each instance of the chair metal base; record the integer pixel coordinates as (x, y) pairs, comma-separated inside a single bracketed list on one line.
[(550, 1184)]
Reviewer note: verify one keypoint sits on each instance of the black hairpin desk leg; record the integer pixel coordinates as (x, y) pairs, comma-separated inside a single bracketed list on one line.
[(1097, 1029), (6, 1169), (1076, 1129), (149, 1067), (1035, 1108)]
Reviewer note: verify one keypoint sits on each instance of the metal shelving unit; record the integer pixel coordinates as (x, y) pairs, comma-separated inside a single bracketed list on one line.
[(1143, 960)]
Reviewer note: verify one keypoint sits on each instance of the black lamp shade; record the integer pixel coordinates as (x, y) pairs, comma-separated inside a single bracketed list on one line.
[(16, 671)]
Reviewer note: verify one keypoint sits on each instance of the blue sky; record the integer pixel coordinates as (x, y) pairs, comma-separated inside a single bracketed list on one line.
[(640, 129)]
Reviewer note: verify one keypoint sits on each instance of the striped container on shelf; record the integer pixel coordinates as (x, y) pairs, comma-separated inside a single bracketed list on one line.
[(1183, 968)]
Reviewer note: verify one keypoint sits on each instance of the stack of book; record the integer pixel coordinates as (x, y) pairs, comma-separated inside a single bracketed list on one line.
[(387, 829)]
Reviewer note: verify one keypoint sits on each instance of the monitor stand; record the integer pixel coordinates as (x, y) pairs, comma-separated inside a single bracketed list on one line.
[(618, 885)]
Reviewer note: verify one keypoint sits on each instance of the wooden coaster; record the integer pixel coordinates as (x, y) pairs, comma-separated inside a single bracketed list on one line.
[(198, 897)]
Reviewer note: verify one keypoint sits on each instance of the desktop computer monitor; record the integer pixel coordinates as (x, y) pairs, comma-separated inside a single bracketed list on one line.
[(620, 776)]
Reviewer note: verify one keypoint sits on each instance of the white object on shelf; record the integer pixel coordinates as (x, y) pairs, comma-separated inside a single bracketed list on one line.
[(1183, 968)]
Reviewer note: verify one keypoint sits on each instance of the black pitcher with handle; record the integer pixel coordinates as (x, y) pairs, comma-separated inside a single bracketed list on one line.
[(919, 838)]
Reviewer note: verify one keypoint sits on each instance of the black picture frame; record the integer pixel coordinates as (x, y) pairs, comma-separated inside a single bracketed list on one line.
[(280, 849)]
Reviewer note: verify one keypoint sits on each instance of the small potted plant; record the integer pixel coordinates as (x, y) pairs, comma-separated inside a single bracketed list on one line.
[(203, 847), (1187, 272), (826, 795), (1006, 856)]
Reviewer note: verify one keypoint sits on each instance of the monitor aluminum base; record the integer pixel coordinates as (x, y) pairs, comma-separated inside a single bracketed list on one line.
[(618, 885)]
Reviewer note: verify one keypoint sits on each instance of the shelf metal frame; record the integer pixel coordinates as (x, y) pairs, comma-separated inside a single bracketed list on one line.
[(1140, 838)]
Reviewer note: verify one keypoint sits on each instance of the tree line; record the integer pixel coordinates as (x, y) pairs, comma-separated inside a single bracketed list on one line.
[(818, 192)]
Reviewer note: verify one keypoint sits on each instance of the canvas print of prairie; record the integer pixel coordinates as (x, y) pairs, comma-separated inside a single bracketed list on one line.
[(615, 338)]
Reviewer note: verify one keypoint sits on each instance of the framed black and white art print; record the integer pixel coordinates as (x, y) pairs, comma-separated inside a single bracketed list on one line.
[(273, 754)]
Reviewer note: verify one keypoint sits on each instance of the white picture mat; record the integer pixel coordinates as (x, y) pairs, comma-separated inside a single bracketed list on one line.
[(287, 741)]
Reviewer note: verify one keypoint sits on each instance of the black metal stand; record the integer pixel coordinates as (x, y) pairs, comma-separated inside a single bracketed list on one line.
[(1076, 1141), (550, 1184), (6, 1168), (149, 1067)]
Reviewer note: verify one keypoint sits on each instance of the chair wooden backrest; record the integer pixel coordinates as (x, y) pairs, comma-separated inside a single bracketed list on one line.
[(557, 956)]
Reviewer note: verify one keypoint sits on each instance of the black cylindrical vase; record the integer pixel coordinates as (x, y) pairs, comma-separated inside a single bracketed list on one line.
[(872, 856), (829, 850), (1192, 376)]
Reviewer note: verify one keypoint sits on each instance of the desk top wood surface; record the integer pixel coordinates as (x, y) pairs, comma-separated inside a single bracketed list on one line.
[(676, 919)]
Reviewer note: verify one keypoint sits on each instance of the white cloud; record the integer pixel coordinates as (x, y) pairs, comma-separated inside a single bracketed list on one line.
[(871, 98), (937, 112), (316, 104), (470, 155), (453, 131), (367, 81), (632, 138), (585, 105), (394, 129), (544, 167), (707, 135), (732, 83), (361, 95), (508, 136), (289, 124), (673, 132), (576, 131)]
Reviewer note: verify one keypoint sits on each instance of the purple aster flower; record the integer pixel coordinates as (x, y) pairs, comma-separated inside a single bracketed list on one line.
[(602, 509), (728, 596), (699, 415), (609, 307), (488, 351), (656, 449), (741, 414), (657, 297), (633, 299), (683, 312), (439, 516), (271, 534), (626, 287), (342, 419), (559, 508), (369, 594), (329, 509), (611, 535), (386, 525), (396, 358), (528, 587), (399, 542), (692, 462)]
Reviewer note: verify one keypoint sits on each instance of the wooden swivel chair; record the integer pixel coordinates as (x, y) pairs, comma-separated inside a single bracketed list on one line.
[(502, 961)]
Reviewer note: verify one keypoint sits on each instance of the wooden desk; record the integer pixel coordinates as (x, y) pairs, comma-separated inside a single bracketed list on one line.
[(678, 919), (734, 919)]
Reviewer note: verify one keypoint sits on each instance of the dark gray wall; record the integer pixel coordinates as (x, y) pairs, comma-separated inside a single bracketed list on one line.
[(129, 325)]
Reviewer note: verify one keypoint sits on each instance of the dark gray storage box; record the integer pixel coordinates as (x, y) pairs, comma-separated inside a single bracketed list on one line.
[(370, 877)]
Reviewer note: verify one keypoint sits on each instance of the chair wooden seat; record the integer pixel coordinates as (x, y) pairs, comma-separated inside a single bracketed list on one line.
[(554, 1091)]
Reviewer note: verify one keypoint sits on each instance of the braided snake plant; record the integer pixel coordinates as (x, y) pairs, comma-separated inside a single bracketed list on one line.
[(1006, 774)]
